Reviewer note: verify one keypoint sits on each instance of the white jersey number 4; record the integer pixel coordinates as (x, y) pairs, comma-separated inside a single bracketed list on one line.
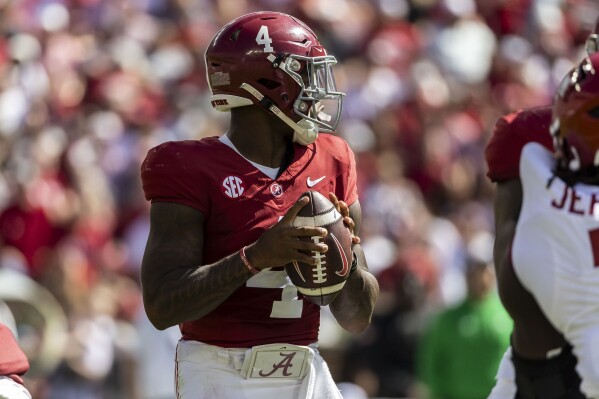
[(264, 39)]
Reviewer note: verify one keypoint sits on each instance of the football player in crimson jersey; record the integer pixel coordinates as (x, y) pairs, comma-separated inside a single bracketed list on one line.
[(221, 219), (540, 362)]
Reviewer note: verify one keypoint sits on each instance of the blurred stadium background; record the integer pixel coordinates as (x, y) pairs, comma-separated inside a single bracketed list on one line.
[(88, 86)]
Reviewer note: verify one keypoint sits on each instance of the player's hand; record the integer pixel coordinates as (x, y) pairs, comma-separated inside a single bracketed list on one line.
[(343, 209), (280, 245)]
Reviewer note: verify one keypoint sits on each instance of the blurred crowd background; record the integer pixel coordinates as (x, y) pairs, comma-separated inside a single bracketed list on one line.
[(88, 86)]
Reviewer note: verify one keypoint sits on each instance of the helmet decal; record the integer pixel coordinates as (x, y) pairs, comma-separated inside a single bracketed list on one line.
[(264, 40), (220, 79)]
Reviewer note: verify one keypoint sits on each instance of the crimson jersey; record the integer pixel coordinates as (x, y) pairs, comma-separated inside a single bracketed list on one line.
[(239, 203), (512, 132)]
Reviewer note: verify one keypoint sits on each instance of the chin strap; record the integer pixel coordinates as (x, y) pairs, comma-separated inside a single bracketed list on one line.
[(304, 131)]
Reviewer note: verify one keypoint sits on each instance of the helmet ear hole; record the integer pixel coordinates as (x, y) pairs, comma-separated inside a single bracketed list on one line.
[(268, 83)]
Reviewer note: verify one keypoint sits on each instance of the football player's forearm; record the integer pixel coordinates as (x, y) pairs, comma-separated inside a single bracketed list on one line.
[(196, 292), (354, 305)]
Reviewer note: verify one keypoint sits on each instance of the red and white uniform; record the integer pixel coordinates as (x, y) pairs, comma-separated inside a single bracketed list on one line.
[(555, 252), (239, 203)]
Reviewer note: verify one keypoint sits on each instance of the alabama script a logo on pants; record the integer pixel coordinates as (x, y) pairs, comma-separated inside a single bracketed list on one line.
[(285, 364), (277, 361)]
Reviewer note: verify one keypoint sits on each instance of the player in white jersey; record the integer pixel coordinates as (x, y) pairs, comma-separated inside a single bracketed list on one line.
[(555, 247)]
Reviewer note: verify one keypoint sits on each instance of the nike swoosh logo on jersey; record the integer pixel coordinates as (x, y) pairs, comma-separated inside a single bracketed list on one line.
[(312, 183)]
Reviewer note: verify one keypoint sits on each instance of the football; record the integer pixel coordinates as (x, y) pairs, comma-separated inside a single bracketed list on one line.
[(322, 282)]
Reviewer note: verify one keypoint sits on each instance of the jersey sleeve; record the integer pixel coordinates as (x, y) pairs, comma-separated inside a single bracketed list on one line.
[(511, 133), (170, 174)]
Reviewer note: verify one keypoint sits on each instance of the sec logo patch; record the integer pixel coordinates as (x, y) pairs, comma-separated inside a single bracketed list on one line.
[(232, 187)]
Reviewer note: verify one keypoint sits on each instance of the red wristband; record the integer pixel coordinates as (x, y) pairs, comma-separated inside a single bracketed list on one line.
[(246, 262)]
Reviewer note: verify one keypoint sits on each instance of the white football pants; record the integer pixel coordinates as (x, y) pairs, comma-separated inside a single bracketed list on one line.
[(211, 372)]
